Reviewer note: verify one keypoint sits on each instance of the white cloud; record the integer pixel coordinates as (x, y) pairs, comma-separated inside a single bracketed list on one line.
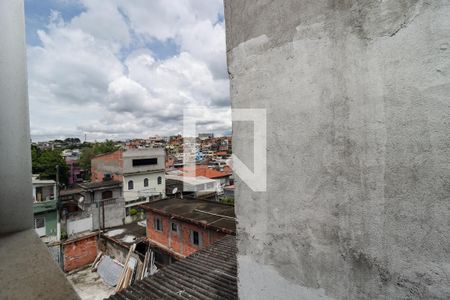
[(103, 21), (70, 66), (84, 77), (212, 40)]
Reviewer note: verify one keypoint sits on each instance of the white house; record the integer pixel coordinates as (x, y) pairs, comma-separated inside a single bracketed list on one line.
[(43, 190), (140, 170), (143, 175)]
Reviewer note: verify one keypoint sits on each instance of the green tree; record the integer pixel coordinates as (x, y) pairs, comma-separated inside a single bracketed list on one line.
[(105, 147), (227, 200), (85, 160), (44, 163)]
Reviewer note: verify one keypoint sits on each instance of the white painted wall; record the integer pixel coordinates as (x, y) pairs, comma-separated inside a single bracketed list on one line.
[(80, 225), (139, 190)]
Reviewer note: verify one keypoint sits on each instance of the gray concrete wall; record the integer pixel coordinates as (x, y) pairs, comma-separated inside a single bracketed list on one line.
[(16, 198), (131, 154), (358, 113), (114, 212)]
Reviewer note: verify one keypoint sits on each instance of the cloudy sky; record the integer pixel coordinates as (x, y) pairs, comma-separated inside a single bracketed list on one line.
[(121, 68)]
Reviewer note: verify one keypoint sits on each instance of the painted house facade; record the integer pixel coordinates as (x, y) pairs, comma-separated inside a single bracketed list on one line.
[(92, 206), (142, 172), (45, 209)]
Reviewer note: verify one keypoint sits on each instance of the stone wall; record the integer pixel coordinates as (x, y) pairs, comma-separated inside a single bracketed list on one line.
[(357, 98)]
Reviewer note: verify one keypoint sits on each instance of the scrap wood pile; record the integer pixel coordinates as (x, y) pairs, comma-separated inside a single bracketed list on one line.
[(134, 269)]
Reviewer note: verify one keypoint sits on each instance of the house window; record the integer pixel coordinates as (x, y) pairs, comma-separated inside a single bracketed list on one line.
[(159, 180), (174, 227), (195, 238), (145, 162), (130, 185), (145, 182), (158, 224), (107, 195), (39, 222)]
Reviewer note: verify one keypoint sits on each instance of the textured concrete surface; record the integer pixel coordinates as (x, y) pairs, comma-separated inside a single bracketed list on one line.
[(89, 285), (358, 112), (16, 209), (28, 271)]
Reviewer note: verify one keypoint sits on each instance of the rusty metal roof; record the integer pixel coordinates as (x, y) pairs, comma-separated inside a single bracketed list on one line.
[(207, 274)]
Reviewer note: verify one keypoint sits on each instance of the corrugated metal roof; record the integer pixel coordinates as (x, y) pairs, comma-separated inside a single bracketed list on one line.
[(109, 270), (207, 274)]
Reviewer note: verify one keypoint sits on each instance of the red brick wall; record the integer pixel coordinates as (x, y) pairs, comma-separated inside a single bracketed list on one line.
[(97, 172), (179, 241), (79, 253)]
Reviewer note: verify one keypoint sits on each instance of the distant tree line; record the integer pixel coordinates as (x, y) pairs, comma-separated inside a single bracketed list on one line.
[(44, 162)]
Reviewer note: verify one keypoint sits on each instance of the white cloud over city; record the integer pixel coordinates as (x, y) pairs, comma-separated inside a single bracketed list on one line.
[(119, 69)]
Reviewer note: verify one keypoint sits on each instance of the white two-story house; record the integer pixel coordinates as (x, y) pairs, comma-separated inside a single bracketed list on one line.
[(142, 172)]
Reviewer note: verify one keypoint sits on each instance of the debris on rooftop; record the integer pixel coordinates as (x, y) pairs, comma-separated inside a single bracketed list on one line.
[(210, 273), (135, 269), (109, 270), (114, 232)]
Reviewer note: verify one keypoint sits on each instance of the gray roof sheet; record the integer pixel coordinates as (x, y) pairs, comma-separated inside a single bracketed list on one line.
[(100, 184), (210, 214), (207, 274)]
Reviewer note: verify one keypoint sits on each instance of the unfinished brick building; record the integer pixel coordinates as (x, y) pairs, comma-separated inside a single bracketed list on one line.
[(177, 228), (79, 252)]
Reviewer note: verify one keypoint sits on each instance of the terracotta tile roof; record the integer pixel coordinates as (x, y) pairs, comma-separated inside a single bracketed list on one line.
[(203, 170), (221, 153)]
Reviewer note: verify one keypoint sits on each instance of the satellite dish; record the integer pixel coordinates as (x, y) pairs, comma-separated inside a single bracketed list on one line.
[(81, 200), (175, 190)]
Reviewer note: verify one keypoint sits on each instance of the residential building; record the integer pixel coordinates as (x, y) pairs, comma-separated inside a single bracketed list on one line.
[(210, 273), (197, 186), (205, 136), (46, 219), (142, 172), (105, 202), (45, 209), (221, 173), (177, 228), (43, 190), (92, 206), (75, 173)]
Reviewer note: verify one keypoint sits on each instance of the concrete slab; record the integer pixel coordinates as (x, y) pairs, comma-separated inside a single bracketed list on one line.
[(89, 285), (28, 271)]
